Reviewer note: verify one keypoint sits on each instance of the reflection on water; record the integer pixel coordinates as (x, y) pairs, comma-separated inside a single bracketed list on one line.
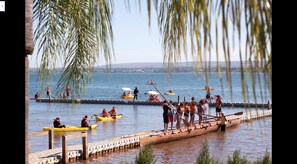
[(136, 119)]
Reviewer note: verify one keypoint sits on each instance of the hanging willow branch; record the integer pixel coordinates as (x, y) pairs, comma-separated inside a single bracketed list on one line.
[(77, 32), (181, 18), (74, 33)]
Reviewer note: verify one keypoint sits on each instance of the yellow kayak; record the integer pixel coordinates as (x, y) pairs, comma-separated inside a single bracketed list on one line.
[(170, 94), (99, 118), (70, 128)]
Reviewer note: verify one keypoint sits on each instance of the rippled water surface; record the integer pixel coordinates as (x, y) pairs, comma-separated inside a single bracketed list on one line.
[(252, 139)]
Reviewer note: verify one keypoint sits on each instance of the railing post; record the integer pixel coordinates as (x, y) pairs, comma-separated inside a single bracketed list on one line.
[(50, 139), (64, 150), (85, 147), (184, 99), (177, 99)]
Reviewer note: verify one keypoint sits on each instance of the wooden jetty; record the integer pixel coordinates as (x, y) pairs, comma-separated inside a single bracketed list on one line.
[(130, 102), (187, 132), (86, 150)]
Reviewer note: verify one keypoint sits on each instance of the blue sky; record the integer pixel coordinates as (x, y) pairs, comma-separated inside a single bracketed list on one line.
[(134, 41)]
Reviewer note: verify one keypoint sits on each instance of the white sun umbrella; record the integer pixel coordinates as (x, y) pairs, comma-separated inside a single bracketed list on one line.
[(127, 89), (153, 92)]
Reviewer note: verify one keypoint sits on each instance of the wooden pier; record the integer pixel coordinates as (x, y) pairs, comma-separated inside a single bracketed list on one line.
[(131, 102), (76, 152)]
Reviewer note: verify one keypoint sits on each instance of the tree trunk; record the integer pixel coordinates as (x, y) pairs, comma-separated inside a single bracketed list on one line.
[(29, 44), (27, 142), (29, 47)]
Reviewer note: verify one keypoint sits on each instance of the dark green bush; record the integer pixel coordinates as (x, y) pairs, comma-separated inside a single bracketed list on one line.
[(145, 156), (237, 159), (204, 157)]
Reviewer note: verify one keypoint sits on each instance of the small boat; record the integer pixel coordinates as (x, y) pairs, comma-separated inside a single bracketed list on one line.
[(100, 118), (71, 128), (153, 96), (170, 93), (127, 93)]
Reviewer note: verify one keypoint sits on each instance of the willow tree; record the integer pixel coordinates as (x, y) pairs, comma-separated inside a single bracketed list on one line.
[(77, 33), (202, 20)]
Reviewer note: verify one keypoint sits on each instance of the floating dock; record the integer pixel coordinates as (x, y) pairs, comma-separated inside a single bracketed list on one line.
[(53, 156), (130, 102)]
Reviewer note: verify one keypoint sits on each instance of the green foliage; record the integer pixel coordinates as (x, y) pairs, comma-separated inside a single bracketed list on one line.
[(237, 159), (265, 160), (77, 34), (74, 34), (204, 157), (145, 156)]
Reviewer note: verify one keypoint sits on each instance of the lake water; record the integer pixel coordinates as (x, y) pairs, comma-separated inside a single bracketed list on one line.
[(252, 139)]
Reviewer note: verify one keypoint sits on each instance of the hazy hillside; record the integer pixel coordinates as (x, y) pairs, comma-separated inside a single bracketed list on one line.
[(161, 67), (160, 64)]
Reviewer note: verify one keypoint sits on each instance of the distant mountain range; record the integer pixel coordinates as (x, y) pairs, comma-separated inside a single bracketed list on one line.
[(161, 64), (163, 67)]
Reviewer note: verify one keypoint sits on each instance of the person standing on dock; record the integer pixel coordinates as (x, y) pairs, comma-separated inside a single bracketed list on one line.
[(67, 92), (170, 117), (193, 110), (166, 109), (268, 105), (135, 92), (180, 111), (218, 105), (187, 111), (208, 96), (48, 92), (200, 110), (36, 95)]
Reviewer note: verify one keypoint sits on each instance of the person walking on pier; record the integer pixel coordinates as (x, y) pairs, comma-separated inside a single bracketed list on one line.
[(85, 122), (218, 105), (57, 123), (166, 109), (135, 92)]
